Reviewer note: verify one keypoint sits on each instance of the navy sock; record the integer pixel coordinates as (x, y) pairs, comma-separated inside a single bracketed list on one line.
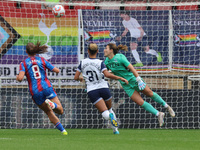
[(59, 126)]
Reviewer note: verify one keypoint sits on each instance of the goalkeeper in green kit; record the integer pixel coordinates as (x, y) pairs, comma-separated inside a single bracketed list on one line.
[(120, 66)]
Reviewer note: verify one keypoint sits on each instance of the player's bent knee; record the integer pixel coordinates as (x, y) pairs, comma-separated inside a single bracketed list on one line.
[(61, 112), (150, 94), (106, 114)]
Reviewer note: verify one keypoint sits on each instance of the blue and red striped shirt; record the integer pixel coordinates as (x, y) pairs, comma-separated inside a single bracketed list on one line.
[(35, 71)]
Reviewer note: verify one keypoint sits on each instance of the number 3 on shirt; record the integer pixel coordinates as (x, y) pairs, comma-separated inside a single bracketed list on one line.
[(36, 71)]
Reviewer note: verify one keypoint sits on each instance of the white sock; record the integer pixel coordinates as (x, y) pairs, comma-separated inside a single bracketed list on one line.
[(166, 105), (136, 55), (152, 52), (114, 129), (106, 114), (111, 111), (157, 114)]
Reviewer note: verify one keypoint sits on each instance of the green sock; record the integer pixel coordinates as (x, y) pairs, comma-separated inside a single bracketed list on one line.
[(158, 99), (148, 107)]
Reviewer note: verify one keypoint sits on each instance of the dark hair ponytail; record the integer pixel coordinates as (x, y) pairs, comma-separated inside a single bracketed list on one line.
[(33, 49), (117, 48)]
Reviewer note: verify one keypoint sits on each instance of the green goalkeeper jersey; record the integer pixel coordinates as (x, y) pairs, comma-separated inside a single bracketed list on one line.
[(118, 65)]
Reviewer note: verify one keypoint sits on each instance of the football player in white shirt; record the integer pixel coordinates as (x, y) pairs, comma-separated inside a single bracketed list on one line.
[(93, 71), (137, 34)]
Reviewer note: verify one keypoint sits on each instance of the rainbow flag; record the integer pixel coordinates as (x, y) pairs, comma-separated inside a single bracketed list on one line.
[(60, 34), (187, 39), (100, 36), (192, 68)]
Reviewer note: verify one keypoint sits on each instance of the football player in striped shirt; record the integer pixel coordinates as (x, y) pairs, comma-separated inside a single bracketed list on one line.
[(93, 71), (41, 89)]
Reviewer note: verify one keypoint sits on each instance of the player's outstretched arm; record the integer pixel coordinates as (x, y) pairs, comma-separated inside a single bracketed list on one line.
[(112, 76), (20, 76), (125, 32), (55, 69), (132, 69), (141, 83), (77, 76)]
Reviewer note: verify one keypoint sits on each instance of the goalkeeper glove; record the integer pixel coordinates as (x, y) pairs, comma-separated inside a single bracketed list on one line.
[(141, 83)]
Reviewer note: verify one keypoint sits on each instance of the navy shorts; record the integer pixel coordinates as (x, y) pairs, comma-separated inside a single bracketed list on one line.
[(40, 97), (143, 42), (96, 95)]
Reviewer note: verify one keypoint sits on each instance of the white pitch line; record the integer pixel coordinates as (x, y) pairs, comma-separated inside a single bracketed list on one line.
[(5, 138)]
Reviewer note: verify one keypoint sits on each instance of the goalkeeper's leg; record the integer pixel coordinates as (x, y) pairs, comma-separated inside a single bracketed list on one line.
[(159, 100), (148, 107), (155, 97)]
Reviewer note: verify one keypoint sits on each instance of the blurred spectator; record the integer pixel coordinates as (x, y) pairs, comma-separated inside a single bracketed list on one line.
[(50, 6)]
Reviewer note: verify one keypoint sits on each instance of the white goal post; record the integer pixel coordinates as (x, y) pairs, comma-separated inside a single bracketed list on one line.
[(120, 3), (194, 78), (170, 67)]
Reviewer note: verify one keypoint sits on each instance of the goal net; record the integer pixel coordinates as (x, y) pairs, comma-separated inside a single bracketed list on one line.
[(167, 57)]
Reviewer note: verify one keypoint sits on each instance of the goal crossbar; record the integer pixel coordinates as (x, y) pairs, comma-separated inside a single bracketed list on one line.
[(117, 4)]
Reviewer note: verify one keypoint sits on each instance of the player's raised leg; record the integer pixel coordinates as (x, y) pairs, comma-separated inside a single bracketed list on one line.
[(155, 97), (52, 100), (51, 104), (55, 104), (53, 118), (159, 100), (153, 52)]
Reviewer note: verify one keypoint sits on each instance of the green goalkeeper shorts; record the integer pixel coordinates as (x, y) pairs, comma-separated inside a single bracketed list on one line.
[(131, 87)]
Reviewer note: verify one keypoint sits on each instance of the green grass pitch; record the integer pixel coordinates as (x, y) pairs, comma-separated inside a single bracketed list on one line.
[(99, 139)]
